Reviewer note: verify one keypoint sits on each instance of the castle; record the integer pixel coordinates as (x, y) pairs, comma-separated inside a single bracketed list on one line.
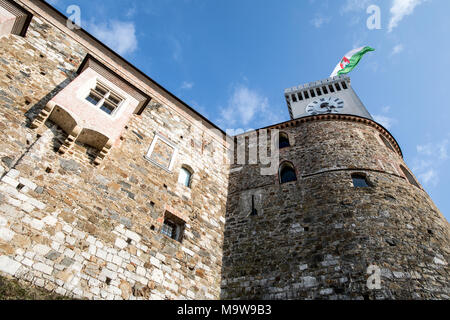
[(113, 188)]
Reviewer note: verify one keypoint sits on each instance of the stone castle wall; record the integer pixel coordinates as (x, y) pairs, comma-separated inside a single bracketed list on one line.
[(94, 232), (316, 237)]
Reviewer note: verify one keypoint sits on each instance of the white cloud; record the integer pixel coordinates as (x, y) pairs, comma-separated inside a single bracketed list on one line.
[(385, 121), (439, 149), (400, 9), (429, 177), (119, 35), (386, 109), (354, 5), (247, 107), (431, 157), (397, 49), (319, 20), (187, 85)]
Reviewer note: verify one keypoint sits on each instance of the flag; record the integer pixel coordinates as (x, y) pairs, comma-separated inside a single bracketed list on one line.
[(350, 61)]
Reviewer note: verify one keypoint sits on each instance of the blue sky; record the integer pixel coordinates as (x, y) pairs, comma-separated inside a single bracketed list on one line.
[(231, 60)]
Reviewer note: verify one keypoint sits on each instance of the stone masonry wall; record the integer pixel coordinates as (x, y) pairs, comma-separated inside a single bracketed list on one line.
[(316, 237), (94, 232)]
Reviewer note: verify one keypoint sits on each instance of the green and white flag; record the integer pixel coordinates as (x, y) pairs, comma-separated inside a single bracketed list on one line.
[(350, 61)]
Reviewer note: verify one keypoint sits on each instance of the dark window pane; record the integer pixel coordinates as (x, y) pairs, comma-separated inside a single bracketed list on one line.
[(169, 229), (324, 89), (107, 107), (331, 88), (338, 88), (284, 141), (93, 99), (359, 181), (306, 95), (287, 174), (344, 85)]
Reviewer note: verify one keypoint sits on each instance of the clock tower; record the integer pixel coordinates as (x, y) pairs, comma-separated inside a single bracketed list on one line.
[(330, 96)]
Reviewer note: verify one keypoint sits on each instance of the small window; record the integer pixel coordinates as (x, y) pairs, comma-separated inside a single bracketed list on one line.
[(319, 93), (324, 89), (104, 98), (185, 177), (360, 181), (386, 142), (287, 173), (313, 94), (173, 227), (344, 85), (338, 88), (331, 88), (300, 96), (294, 98), (284, 140), (409, 176), (306, 95)]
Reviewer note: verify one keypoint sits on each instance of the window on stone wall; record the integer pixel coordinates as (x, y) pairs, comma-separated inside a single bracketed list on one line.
[(284, 140), (162, 152), (324, 89), (338, 88), (331, 88), (104, 98), (360, 180), (300, 96), (185, 177), (409, 176), (287, 173), (344, 85), (386, 142), (173, 227)]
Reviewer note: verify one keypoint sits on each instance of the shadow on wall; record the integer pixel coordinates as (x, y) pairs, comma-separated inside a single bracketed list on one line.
[(34, 111)]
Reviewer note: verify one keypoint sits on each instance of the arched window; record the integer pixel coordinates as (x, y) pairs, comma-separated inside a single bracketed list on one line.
[(185, 176), (386, 142), (284, 140), (287, 173), (409, 176)]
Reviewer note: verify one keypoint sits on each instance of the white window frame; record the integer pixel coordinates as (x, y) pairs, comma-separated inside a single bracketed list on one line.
[(156, 138), (105, 97)]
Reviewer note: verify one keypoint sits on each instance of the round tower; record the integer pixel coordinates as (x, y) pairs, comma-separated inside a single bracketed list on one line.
[(344, 218)]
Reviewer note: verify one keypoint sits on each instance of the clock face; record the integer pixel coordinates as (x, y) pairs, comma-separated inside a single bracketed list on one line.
[(325, 105)]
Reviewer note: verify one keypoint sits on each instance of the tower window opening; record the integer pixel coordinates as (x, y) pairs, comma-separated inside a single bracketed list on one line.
[(338, 88), (300, 96), (360, 181), (294, 98), (104, 98), (319, 93), (287, 173), (306, 95), (324, 89), (409, 176), (173, 227), (331, 88), (344, 85), (313, 94), (284, 141), (386, 142), (185, 177)]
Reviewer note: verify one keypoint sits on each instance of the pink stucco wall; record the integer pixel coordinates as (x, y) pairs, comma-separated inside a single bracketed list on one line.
[(7, 20), (72, 99)]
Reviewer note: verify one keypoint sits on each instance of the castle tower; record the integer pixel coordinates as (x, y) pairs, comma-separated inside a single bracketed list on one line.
[(344, 218)]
